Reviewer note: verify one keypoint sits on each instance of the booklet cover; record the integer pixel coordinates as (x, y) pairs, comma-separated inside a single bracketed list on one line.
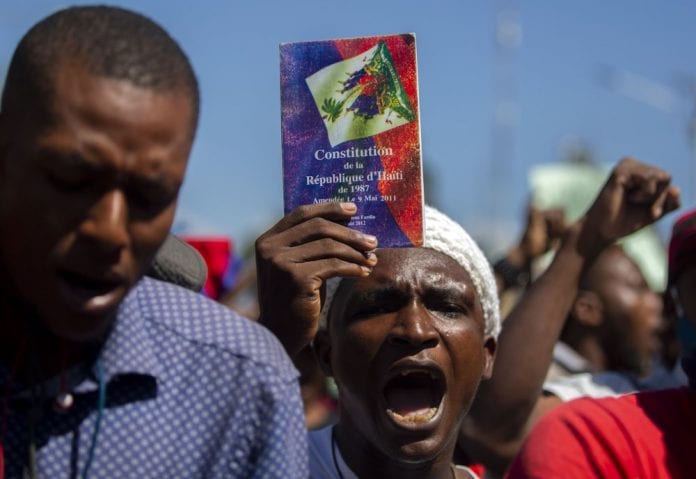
[(351, 132)]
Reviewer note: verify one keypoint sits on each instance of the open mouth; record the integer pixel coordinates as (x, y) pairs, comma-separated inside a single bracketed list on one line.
[(414, 396), (90, 286), (91, 293)]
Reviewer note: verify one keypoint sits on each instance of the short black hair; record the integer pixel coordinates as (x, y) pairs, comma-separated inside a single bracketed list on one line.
[(107, 41)]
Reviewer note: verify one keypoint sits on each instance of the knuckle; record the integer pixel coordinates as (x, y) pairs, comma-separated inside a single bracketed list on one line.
[(303, 211), (320, 226), (299, 214), (299, 278), (335, 263), (327, 245), (270, 252), (260, 241), (262, 248), (285, 266)]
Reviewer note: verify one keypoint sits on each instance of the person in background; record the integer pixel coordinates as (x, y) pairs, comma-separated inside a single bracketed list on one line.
[(634, 196), (608, 344), (104, 373), (410, 332), (319, 402), (407, 346), (617, 325), (614, 321), (515, 269), (681, 302), (647, 434)]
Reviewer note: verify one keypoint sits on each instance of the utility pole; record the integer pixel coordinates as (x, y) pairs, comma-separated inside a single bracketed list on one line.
[(508, 38)]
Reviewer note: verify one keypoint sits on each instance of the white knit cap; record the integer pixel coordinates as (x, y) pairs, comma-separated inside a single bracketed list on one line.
[(444, 235)]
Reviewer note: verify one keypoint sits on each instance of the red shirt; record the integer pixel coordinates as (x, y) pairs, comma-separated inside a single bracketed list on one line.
[(649, 435)]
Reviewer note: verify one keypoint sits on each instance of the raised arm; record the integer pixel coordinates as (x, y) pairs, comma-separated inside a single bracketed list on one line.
[(635, 195), (543, 230), (296, 256)]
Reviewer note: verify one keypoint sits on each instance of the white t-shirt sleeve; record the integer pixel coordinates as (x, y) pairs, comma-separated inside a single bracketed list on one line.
[(590, 385)]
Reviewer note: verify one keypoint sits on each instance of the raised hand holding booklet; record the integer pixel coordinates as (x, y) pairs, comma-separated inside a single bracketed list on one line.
[(351, 132)]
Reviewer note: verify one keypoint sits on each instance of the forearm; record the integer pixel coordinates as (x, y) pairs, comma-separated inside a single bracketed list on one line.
[(634, 196), (525, 346)]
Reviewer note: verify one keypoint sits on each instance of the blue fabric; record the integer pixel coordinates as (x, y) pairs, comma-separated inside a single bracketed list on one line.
[(193, 391)]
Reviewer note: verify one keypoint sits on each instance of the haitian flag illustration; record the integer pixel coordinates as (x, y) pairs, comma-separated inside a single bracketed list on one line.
[(351, 132)]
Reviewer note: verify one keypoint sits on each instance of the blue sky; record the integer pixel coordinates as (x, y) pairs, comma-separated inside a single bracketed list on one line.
[(234, 180)]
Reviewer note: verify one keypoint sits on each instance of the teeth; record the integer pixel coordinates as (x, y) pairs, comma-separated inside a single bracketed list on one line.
[(407, 372), (418, 417)]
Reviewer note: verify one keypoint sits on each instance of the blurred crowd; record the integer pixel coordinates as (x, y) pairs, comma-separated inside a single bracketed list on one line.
[(127, 352)]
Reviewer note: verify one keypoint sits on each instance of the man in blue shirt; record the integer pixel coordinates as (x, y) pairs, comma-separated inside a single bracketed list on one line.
[(103, 373)]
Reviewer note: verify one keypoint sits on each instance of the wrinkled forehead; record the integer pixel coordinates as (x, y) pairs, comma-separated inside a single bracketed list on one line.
[(408, 270), (418, 264)]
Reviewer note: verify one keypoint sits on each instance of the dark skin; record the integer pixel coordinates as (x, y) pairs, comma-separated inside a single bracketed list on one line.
[(542, 233), (417, 309), (616, 319), (635, 195), (615, 326), (86, 200), (299, 253)]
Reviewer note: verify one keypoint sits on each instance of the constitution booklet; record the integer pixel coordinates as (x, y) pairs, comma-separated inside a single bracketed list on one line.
[(351, 132)]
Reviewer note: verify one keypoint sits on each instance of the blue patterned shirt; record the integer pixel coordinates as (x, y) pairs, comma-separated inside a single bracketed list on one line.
[(192, 391)]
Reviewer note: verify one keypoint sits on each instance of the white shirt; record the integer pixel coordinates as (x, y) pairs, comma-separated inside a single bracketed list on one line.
[(611, 383)]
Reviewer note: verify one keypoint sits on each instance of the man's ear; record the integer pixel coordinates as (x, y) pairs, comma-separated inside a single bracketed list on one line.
[(587, 309), (489, 357), (322, 348)]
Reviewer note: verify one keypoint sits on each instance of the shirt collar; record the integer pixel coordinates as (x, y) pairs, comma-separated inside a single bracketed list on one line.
[(129, 348), (569, 359)]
